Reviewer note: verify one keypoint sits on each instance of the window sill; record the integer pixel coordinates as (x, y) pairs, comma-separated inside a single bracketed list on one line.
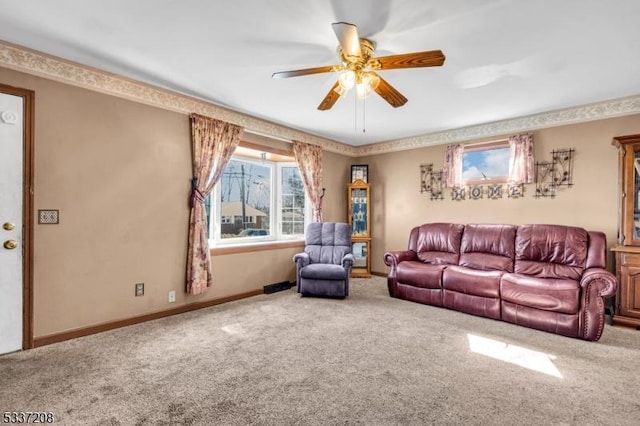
[(488, 181), (247, 248)]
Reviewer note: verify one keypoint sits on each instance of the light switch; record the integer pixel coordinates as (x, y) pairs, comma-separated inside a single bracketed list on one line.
[(48, 217)]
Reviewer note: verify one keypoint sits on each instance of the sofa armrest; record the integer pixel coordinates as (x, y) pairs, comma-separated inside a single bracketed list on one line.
[(604, 280), (392, 258), (597, 284)]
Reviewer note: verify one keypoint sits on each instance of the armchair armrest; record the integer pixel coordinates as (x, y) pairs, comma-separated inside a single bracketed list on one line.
[(392, 258), (347, 261), (301, 259)]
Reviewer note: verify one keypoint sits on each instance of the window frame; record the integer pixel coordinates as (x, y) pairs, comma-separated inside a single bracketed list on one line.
[(307, 204), (275, 197)]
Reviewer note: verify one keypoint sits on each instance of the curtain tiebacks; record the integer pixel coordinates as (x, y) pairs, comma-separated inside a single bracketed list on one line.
[(196, 195)]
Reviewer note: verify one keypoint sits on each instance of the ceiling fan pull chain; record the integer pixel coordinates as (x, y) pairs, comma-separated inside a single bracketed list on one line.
[(364, 115), (355, 116)]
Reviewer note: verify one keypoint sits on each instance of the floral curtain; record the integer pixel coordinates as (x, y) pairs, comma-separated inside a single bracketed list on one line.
[(309, 159), (452, 169), (521, 161), (213, 142)]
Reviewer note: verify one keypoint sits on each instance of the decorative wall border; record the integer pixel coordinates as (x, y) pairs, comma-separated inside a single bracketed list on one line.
[(596, 111), (43, 65)]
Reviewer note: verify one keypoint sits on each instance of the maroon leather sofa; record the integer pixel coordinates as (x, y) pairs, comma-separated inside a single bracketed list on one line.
[(547, 277)]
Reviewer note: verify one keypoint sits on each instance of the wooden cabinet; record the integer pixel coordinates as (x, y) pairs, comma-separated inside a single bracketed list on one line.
[(359, 214), (627, 252), (627, 303)]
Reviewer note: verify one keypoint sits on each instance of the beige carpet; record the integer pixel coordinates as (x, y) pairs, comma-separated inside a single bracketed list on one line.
[(280, 359)]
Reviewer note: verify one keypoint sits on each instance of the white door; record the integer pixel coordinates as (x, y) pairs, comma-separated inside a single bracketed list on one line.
[(11, 165)]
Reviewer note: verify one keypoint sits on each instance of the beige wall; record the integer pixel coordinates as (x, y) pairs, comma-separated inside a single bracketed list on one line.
[(591, 203), (119, 172)]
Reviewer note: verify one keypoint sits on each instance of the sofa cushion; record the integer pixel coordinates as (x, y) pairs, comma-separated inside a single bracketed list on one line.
[(471, 281), (323, 271), (420, 274), (548, 294), (437, 243), (488, 247), (551, 251), (553, 322)]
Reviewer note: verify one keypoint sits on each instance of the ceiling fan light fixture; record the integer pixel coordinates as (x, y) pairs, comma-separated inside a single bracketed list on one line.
[(367, 84), (371, 80), (347, 79)]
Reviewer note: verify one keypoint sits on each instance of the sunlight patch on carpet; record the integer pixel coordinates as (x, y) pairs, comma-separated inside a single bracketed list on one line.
[(532, 360)]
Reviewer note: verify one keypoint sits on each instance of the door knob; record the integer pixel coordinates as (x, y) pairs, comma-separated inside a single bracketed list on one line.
[(8, 226), (10, 244)]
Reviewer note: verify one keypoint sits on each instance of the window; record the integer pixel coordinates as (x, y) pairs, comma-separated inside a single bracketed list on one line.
[(486, 163), (257, 200), (292, 201)]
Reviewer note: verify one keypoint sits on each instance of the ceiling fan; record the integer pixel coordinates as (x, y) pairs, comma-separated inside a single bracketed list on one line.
[(358, 68)]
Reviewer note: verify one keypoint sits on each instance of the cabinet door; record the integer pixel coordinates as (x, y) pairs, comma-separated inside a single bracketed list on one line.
[(359, 210), (634, 206), (362, 261), (630, 291), (630, 191)]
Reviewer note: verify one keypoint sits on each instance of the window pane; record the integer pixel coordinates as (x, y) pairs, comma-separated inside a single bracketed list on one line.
[(245, 190), (292, 213), (485, 164)]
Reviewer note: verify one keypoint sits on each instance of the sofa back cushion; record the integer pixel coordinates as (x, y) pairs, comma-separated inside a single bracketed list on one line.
[(437, 243), (327, 242), (488, 247), (551, 251)]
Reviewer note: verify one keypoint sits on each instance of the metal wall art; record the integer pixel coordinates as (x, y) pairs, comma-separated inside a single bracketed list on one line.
[(515, 191), (494, 191), (431, 181), (550, 175), (475, 192), (458, 193), (544, 180), (563, 166)]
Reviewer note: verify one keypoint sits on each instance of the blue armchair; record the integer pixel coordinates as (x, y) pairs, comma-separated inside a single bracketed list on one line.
[(324, 267)]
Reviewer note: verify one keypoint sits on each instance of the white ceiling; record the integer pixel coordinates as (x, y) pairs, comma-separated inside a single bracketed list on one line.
[(505, 58)]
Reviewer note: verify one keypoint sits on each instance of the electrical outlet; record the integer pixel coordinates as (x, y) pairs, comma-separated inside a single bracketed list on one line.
[(172, 296), (139, 289)]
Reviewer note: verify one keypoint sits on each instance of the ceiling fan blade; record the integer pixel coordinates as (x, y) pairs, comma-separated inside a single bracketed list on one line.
[(348, 37), (330, 99), (432, 58), (389, 93), (306, 71)]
